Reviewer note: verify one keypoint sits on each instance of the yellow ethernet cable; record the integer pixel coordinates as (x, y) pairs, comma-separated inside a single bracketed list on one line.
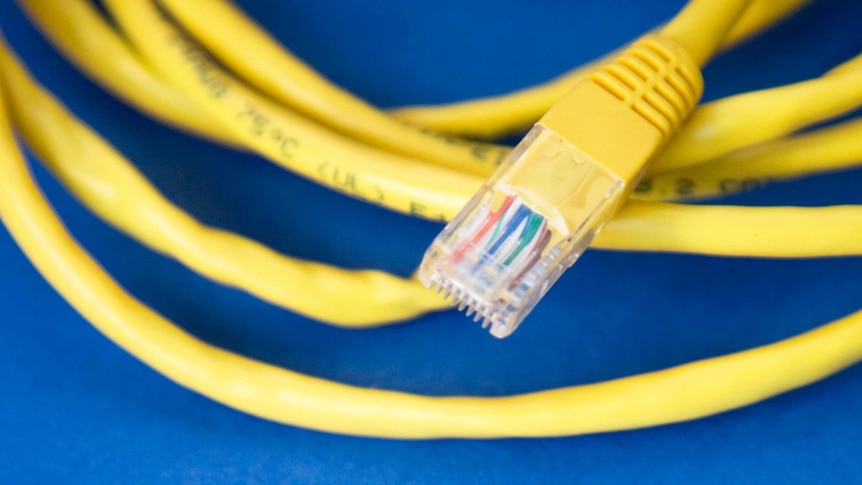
[(677, 394), (112, 189), (544, 205), (498, 256)]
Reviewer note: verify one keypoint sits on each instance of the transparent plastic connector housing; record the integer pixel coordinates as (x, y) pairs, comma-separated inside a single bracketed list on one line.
[(527, 224)]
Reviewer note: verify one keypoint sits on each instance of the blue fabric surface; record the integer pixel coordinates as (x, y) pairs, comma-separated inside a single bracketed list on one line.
[(77, 409)]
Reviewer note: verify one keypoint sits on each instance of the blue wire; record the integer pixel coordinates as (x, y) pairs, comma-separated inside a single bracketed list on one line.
[(513, 224)]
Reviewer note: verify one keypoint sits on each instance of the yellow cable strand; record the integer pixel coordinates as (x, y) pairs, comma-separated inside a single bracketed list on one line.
[(677, 394), (494, 116), (744, 120), (280, 74), (837, 147), (702, 25), (759, 16), (769, 232), (79, 31), (286, 138), (118, 193)]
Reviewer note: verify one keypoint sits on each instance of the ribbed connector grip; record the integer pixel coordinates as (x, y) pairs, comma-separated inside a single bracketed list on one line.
[(656, 79), (623, 113)]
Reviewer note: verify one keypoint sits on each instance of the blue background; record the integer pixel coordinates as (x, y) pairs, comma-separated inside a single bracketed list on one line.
[(74, 408)]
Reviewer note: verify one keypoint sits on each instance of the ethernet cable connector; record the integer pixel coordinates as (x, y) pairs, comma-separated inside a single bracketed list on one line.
[(544, 205)]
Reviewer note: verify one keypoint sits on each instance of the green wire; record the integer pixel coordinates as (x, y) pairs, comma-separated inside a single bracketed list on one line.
[(527, 236)]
